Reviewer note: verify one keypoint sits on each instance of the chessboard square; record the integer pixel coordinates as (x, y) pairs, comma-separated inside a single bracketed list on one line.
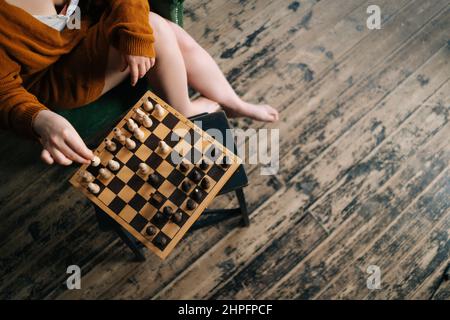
[(124, 155), (161, 131), (106, 196), (166, 188), (165, 168), (148, 211), (177, 197), (183, 148), (146, 191), (134, 163), (152, 142), (137, 202), (146, 132), (106, 181), (117, 205), (170, 121), (155, 123), (125, 174), (170, 229), (127, 213), (116, 185), (192, 137), (172, 139), (216, 172), (105, 156), (205, 143), (138, 222), (175, 177), (181, 128), (93, 170), (174, 158), (126, 193), (159, 220), (158, 240), (157, 200), (154, 161), (194, 155), (136, 182), (143, 152)]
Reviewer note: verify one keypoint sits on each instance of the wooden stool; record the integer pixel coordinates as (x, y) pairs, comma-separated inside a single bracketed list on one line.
[(236, 184)]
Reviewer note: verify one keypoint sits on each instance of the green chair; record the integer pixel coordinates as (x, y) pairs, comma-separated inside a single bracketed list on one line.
[(102, 114)]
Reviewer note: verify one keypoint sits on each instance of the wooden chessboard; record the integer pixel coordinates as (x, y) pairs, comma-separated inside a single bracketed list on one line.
[(137, 205)]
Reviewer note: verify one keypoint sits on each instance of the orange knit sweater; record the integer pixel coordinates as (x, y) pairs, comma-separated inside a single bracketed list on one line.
[(27, 47)]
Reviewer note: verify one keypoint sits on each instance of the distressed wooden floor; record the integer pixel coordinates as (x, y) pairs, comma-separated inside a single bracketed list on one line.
[(364, 168)]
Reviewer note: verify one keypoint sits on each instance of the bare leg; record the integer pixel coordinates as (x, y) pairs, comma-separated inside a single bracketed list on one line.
[(168, 76), (205, 76)]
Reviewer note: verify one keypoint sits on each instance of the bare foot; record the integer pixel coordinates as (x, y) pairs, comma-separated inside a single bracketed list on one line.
[(260, 112), (202, 104)]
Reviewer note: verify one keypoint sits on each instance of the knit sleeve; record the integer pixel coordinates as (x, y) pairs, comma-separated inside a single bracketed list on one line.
[(130, 31), (18, 107)]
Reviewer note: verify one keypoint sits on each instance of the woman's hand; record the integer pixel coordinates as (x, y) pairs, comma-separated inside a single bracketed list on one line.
[(61, 142), (139, 66)]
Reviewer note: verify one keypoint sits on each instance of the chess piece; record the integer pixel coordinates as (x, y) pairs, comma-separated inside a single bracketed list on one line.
[(95, 162), (190, 204), (185, 186), (104, 173), (177, 217), (119, 135), (139, 134), (161, 241), (226, 162), (158, 216), (130, 144), (148, 106), (93, 188), (196, 176), (196, 195), (168, 211), (184, 167), (159, 110), (113, 165), (146, 121), (154, 180), (204, 165), (163, 147), (144, 169), (131, 125), (205, 183), (110, 145), (151, 230), (86, 177)]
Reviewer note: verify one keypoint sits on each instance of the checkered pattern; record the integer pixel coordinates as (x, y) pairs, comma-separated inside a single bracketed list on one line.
[(130, 196)]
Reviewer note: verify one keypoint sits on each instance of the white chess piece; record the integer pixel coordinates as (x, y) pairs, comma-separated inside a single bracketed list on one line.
[(144, 169), (163, 147), (131, 125), (93, 188), (113, 165), (104, 173), (159, 110), (95, 162), (139, 134), (119, 135), (148, 106), (146, 121), (110, 146), (130, 144)]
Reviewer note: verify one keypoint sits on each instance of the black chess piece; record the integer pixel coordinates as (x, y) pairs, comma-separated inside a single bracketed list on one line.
[(185, 186), (184, 167), (154, 180), (168, 211), (177, 216), (204, 165), (190, 204), (161, 241), (196, 195), (196, 176), (205, 183), (151, 230)]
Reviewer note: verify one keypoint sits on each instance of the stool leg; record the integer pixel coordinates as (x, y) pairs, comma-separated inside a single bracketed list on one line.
[(129, 241), (243, 206)]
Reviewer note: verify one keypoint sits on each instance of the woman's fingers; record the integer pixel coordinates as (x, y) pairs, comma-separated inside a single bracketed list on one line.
[(77, 145), (70, 154), (148, 65), (46, 157), (142, 70), (59, 157), (152, 62), (124, 64)]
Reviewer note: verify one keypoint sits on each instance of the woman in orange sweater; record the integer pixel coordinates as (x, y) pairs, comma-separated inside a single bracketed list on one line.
[(45, 63)]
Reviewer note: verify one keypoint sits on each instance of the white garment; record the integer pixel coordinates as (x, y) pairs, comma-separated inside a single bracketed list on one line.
[(59, 21)]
